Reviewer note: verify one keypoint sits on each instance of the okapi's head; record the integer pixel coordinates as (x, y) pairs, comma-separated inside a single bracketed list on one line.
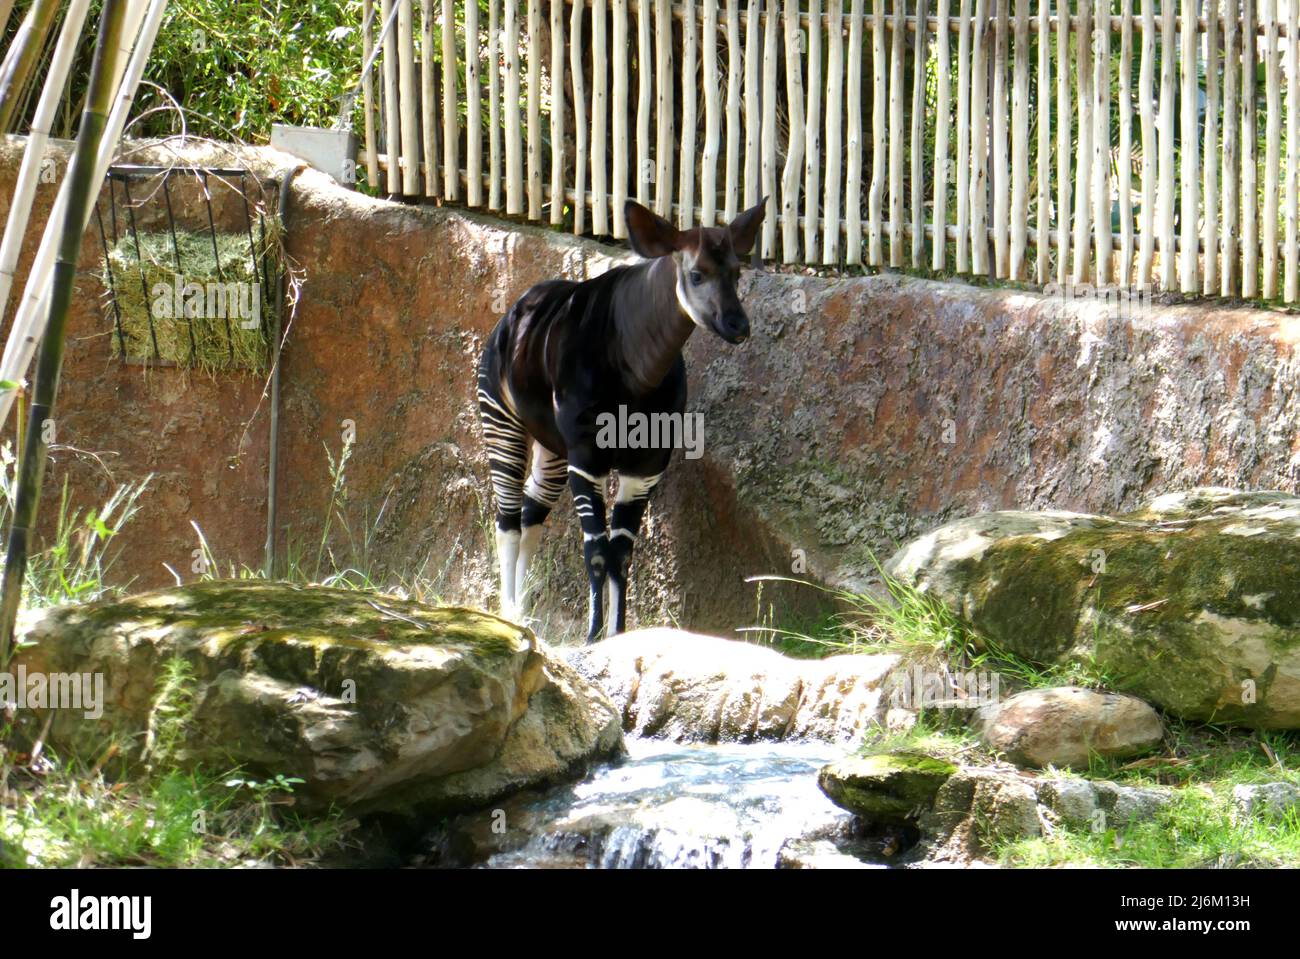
[(707, 261)]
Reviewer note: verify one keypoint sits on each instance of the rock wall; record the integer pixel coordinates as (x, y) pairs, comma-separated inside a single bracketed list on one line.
[(863, 410)]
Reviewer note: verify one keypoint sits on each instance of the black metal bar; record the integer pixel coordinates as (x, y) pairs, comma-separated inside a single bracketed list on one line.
[(123, 171), (216, 256), (112, 288), (139, 259), (176, 254)]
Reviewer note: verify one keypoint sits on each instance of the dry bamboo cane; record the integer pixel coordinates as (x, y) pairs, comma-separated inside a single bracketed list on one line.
[(392, 118), (663, 108), (1063, 114), (1210, 166), (1150, 147), (1020, 144), (812, 133), (410, 135), (732, 187), (769, 128), (579, 121), (943, 119), (752, 132), (1042, 244), (474, 108), (557, 113), (1272, 147), (963, 137), (1126, 146), (1102, 237), (1228, 272), (83, 183), (513, 133), (1190, 133), (686, 184), (853, 176), (534, 143), (599, 120), (645, 170), (428, 106), (790, 176), (1249, 164), (919, 62), (1001, 166), (618, 189), (368, 95), (1291, 281), (979, 141), (875, 200), (1165, 197), (896, 135), (1083, 159), (494, 104)]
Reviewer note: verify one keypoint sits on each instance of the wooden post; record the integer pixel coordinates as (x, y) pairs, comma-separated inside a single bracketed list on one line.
[(690, 94), (494, 104), (943, 120), (663, 108), (1103, 239), (1001, 166), (834, 134), (979, 141), (579, 120), (897, 52), (1272, 146), (875, 201), (712, 120), (392, 116), (1083, 161), (1291, 281), (451, 103), (853, 177), (1126, 145), (769, 128), (645, 170), (558, 201), (732, 196), (963, 137), (1190, 132), (428, 108), (474, 109), (513, 134), (790, 176), (1165, 198), (1210, 166), (752, 136), (1249, 168), (1228, 272), (618, 189), (812, 167), (368, 92), (919, 62), (1063, 116), (599, 119), (1020, 144)]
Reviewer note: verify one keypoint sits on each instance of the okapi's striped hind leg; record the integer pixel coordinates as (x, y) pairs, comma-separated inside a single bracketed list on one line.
[(545, 483), (507, 449), (589, 501), (625, 524)]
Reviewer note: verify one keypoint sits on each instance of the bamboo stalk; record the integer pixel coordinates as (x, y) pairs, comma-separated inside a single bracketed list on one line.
[(367, 93), (1126, 145), (1083, 159), (686, 167), (753, 139), (1150, 148), (83, 186), (645, 170), (1063, 114), (392, 118), (428, 129), (1043, 219), (663, 108), (896, 137), (142, 21), (919, 62), (1272, 146), (579, 120), (853, 177), (732, 196), (599, 120), (1165, 197), (29, 173), (712, 120), (943, 118), (557, 112), (450, 104), (1210, 167), (1001, 167), (1228, 274), (875, 200), (23, 58), (1190, 153), (494, 105), (1020, 144), (812, 132), (1103, 239), (769, 128), (979, 141), (534, 152), (1249, 167), (513, 133), (790, 176), (410, 138), (618, 189), (963, 137), (474, 108), (1290, 285)]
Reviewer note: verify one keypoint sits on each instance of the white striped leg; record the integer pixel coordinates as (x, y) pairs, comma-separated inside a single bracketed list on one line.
[(625, 524), (545, 483), (589, 500), (507, 449)]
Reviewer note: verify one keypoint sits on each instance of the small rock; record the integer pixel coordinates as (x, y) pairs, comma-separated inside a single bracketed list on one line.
[(1267, 800), (886, 788), (1064, 726)]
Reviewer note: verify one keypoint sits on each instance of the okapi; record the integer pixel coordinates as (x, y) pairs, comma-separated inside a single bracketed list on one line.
[(568, 352)]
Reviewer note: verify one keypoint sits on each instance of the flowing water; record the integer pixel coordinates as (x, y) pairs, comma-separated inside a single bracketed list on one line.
[(668, 805)]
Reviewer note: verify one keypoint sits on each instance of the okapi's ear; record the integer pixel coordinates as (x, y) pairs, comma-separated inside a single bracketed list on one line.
[(650, 234), (744, 228)]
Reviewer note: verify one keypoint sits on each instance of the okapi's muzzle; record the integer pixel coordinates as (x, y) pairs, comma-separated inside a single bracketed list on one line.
[(733, 326)]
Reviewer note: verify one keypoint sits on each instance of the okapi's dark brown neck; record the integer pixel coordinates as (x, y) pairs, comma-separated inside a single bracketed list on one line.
[(650, 326)]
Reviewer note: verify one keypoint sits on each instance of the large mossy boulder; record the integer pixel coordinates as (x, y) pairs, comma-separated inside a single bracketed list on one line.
[(376, 703), (1191, 602)]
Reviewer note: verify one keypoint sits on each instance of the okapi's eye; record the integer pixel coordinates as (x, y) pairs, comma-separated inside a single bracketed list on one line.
[(696, 277)]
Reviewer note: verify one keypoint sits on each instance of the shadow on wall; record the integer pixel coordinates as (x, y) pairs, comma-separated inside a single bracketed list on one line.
[(861, 412)]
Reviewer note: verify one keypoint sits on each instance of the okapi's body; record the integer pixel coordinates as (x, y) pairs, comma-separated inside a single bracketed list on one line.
[(568, 352)]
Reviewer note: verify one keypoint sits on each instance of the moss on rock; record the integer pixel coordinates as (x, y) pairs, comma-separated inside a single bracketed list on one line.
[(888, 787)]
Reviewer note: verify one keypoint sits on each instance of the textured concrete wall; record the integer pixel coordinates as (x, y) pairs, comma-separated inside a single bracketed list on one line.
[(862, 411)]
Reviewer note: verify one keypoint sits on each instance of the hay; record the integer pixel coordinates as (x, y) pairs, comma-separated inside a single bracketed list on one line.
[(200, 317)]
